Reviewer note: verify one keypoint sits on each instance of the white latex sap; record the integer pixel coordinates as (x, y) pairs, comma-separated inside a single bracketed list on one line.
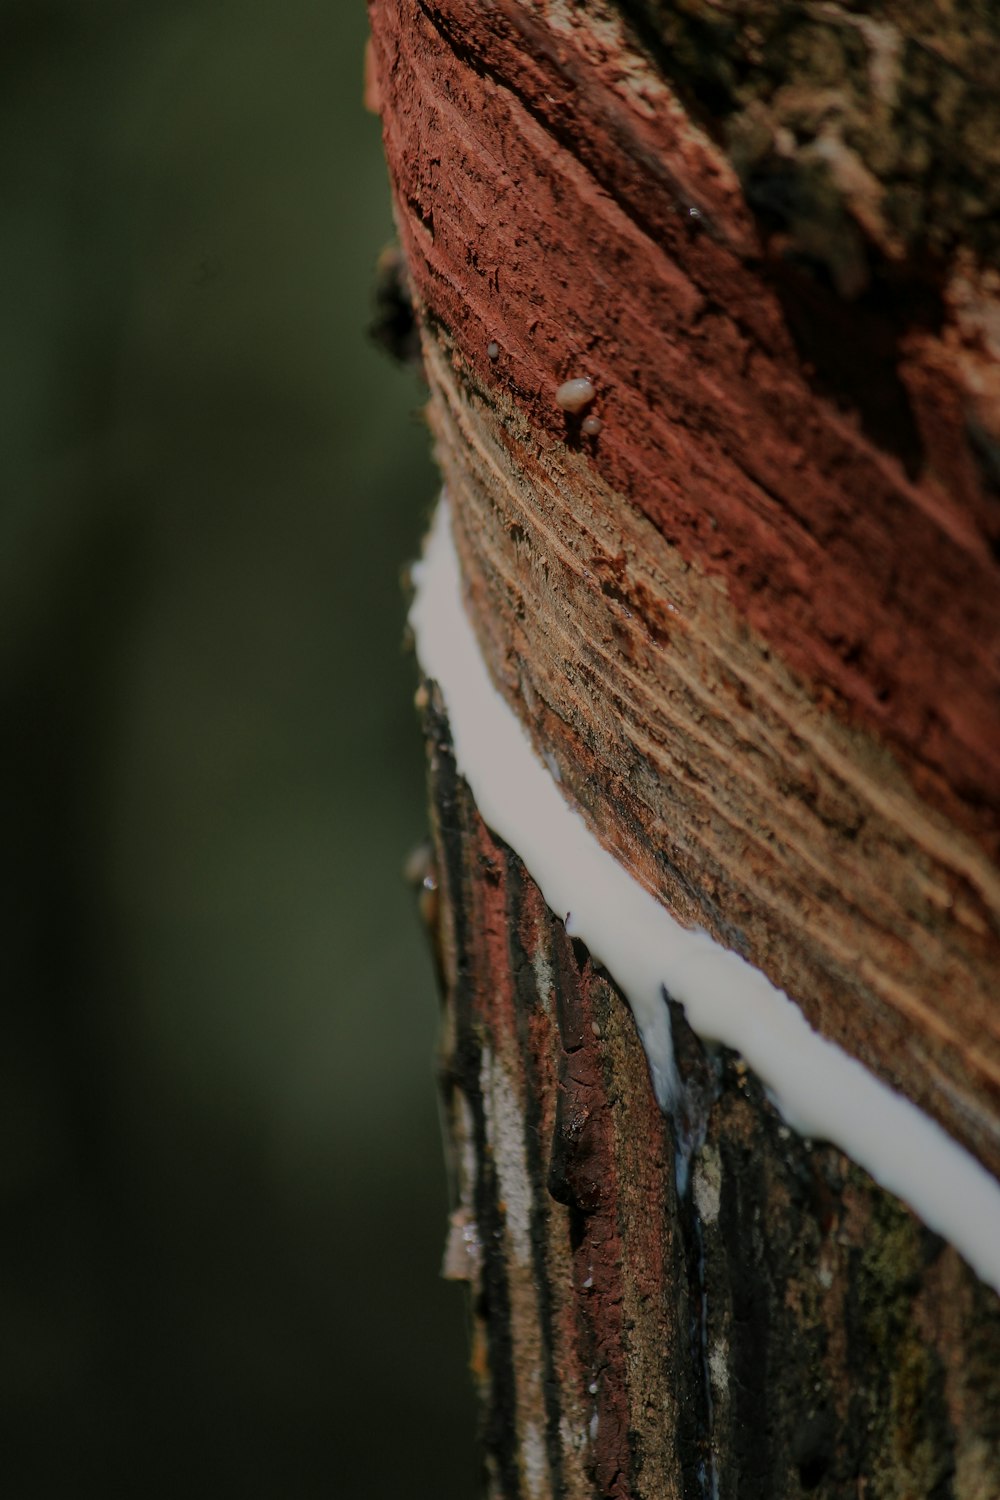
[(821, 1091)]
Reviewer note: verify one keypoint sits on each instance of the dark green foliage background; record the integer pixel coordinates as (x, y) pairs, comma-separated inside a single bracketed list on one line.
[(222, 1198)]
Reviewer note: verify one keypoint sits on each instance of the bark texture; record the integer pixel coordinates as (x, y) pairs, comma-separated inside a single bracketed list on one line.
[(752, 618), (696, 1306), (756, 620)]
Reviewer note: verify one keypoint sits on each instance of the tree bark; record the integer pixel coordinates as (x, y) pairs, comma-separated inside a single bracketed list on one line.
[(687, 1306), (751, 616)]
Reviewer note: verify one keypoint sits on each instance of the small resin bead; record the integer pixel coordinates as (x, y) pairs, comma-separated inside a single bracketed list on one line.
[(574, 395)]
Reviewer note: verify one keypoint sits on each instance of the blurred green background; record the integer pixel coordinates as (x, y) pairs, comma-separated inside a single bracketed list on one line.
[(220, 1172)]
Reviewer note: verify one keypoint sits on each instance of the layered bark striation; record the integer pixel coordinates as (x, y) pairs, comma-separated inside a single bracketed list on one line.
[(555, 198), (709, 773), (750, 616), (755, 621)]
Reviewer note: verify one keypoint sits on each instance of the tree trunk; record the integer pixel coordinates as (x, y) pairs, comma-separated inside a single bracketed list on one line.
[(746, 601), (686, 1306)]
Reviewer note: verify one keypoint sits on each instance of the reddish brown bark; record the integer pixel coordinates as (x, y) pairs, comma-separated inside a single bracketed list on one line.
[(756, 621), (591, 230), (753, 621)]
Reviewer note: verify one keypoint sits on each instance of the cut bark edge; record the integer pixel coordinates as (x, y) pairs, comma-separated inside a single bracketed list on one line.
[(673, 1306), (821, 1091)]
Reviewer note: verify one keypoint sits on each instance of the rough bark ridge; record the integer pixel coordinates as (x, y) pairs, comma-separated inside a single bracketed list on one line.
[(699, 1306), (776, 692), (752, 617)]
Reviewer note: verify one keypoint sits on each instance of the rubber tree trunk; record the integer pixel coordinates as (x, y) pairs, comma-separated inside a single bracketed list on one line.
[(751, 617)]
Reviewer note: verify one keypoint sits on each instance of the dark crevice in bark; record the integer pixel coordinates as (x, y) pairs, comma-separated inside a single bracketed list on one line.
[(698, 1089), (527, 1002), (561, 127), (848, 344), (811, 1336), (850, 348), (499, 1416)]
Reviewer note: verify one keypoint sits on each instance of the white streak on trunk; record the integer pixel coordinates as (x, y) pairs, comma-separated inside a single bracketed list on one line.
[(819, 1088)]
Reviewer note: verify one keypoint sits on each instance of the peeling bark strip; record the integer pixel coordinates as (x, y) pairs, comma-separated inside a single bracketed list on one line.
[(687, 1307), (754, 616)]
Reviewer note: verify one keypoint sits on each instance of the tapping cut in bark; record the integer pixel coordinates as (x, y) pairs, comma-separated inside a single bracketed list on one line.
[(685, 1305), (751, 618), (765, 659)]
